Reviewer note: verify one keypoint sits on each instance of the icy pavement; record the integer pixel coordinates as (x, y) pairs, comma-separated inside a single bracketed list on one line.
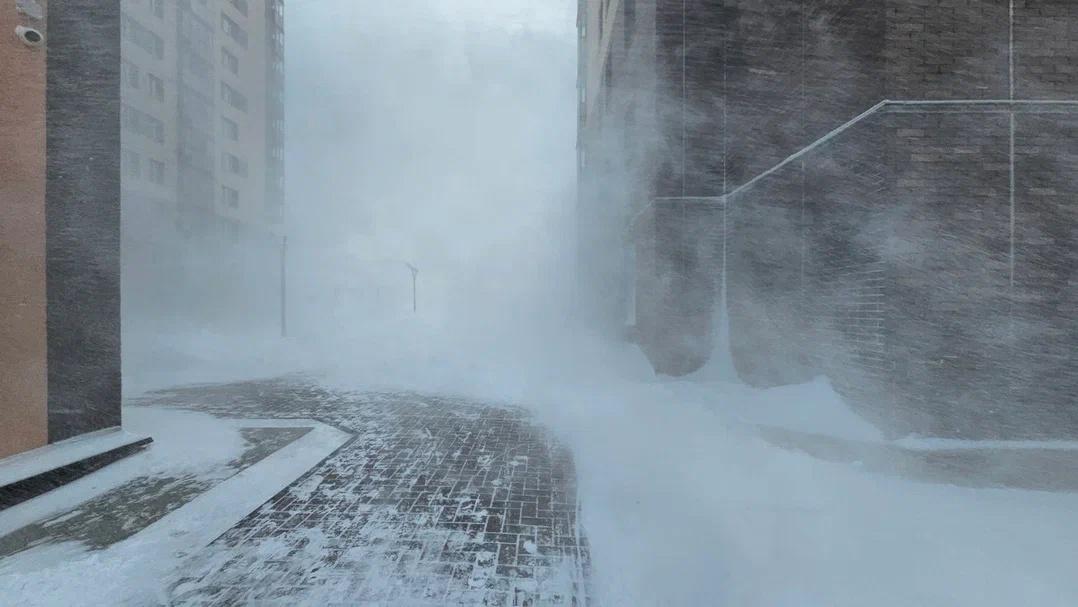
[(436, 501), (139, 518), (686, 499), (119, 514)]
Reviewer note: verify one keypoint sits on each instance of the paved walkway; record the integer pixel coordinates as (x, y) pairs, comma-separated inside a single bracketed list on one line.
[(435, 501)]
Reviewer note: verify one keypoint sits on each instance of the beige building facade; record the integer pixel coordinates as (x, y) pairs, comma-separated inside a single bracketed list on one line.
[(23, 411)]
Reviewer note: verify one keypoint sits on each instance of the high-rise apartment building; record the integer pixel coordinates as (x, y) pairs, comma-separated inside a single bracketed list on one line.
[(203, 136)]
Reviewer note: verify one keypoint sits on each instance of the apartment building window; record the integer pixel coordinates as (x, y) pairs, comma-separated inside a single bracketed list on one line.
[(233, 97), (234, 164), (234, 30), (231, 129), (130, 74), (230, 61), (157, 172), (230, 197), (137, 33), (155, 87), (142, 123), (131, 164), (241, 6)]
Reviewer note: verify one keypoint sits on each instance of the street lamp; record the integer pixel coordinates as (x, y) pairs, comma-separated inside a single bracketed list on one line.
[(415, 272), (284, 285)]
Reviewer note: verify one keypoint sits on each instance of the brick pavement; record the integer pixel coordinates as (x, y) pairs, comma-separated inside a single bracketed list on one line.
[(436, 501)]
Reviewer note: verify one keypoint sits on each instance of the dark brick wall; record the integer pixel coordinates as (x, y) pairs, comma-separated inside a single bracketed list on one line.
[(745, 83), (679, 260), (845, 224), (1046, 49), (671, 157), (704, 97), (1044, 373), (690, 65), (764, 280), (882, 261), (83, 217), (883, 258), (947, 49), (765, 79), (843, 61), (948, 271), (788, 71)]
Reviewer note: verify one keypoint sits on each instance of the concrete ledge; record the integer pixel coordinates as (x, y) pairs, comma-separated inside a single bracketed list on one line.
[(1031, 465), (27, 475)]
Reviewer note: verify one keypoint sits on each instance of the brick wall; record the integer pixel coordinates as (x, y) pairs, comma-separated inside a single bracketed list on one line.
[(764, 280), (843, 61), (1043, 371), (679, 261), (882, 261), (744, 83), (83, 216), (785, 72), (765, 78), (948, 263), (883, 258), (704, 97), (842, 298), (1046, 49), (670, 155), (947, 49)]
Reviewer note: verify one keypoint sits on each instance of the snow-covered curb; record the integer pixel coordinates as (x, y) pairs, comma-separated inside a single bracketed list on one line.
[(136, 571)]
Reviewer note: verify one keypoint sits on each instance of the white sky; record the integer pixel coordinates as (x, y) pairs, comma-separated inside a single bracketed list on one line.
[(542, 15)]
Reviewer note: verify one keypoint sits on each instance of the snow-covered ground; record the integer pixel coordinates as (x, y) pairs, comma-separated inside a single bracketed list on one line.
[(137, 570), (685, 509), (684, 504)]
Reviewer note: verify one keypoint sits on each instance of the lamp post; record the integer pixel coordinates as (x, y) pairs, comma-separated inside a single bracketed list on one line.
[(415, 272), (284, 284)]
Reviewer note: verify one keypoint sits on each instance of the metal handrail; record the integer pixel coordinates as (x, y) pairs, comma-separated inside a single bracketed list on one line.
[(879, 107)]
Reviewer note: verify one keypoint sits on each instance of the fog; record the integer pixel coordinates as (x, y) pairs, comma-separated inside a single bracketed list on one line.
[(434, 251), (438, 136), (442, 134)]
